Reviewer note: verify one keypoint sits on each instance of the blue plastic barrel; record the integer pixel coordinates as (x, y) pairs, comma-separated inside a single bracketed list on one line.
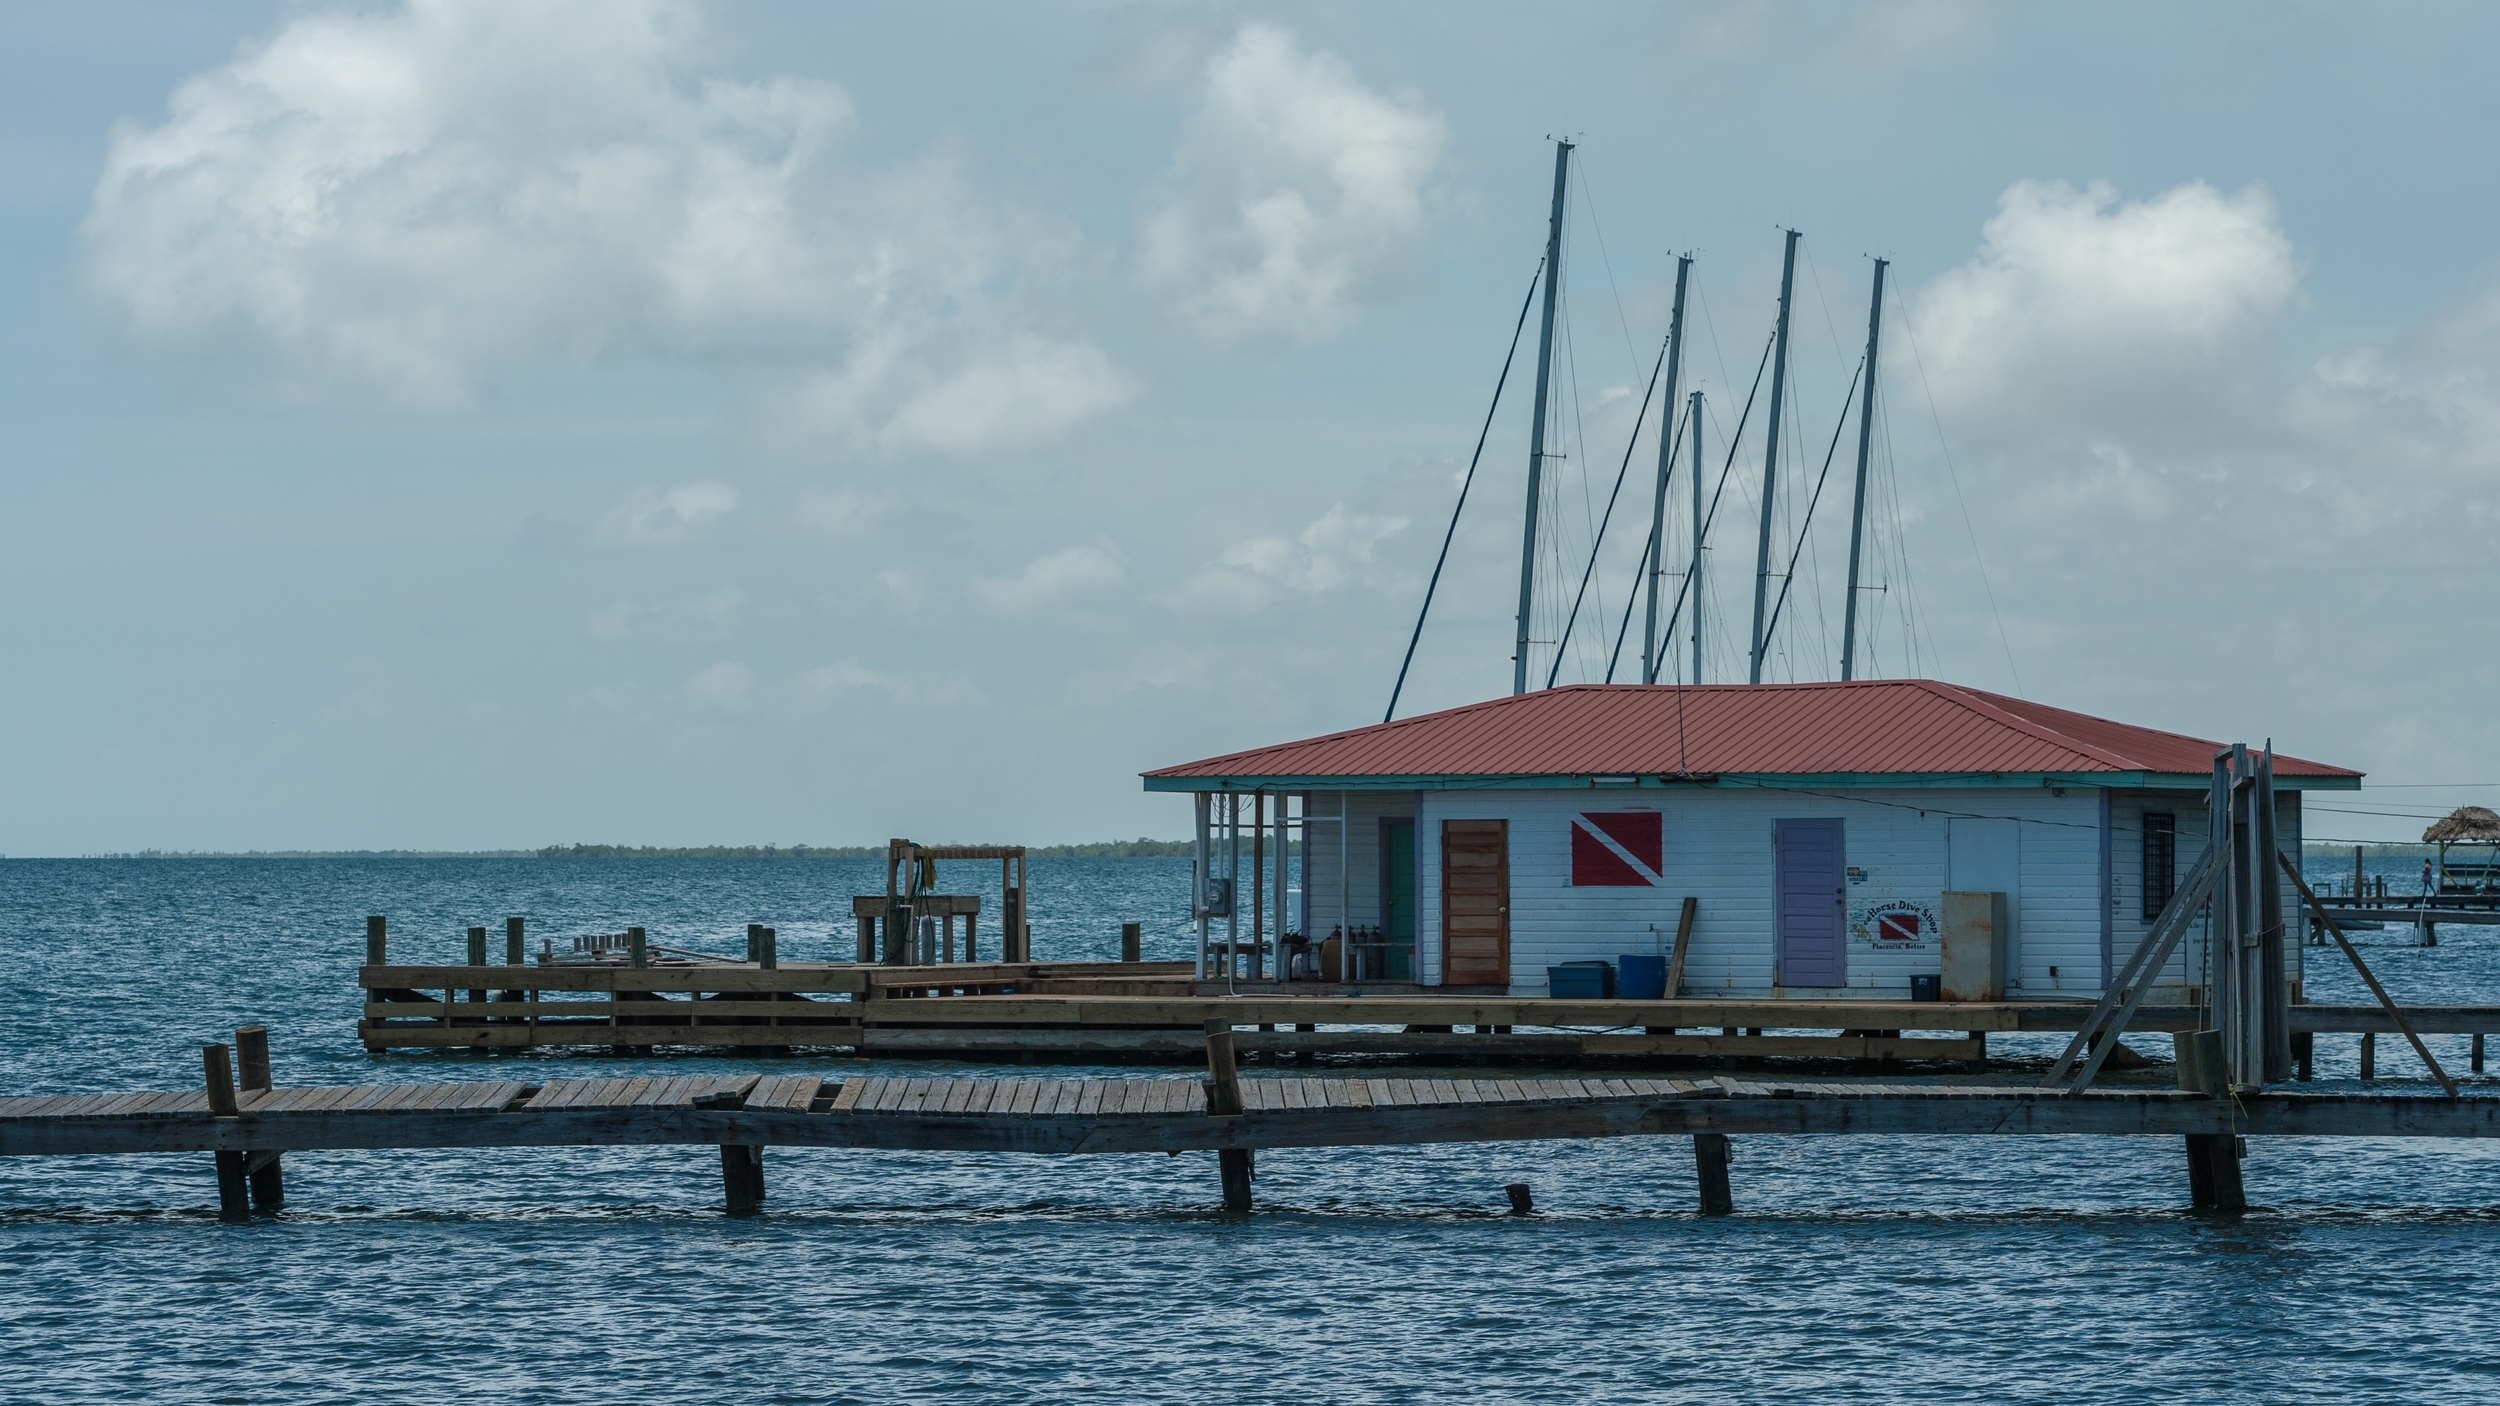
[(1640, 978)]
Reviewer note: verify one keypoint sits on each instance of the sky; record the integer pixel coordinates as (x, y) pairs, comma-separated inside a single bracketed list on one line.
[(461, 426)]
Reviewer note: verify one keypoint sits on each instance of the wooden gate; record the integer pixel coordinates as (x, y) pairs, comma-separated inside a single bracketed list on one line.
[(1475, 903)]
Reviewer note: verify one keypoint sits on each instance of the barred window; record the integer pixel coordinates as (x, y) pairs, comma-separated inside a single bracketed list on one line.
[(2161, 860)]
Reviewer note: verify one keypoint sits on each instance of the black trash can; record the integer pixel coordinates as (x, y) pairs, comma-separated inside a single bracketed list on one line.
[(1927, 988)]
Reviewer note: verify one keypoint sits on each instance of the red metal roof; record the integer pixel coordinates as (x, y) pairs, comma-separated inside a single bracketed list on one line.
[(1874, 727)]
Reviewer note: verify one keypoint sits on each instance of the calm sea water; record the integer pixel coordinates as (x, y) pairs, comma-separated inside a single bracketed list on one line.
[(1861, 1269)]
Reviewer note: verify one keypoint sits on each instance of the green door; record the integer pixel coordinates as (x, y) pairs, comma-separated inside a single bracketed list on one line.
[(1397, 844)]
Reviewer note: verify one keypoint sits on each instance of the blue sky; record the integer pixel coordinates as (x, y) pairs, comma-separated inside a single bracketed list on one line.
[(452, 425)]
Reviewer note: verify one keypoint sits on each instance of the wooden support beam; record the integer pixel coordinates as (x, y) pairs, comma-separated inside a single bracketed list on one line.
[(742, 1177), (1710, 1165), (1131, 942), (2386, 1002), (2476, 1059), (637, 948), (2369, 1055)]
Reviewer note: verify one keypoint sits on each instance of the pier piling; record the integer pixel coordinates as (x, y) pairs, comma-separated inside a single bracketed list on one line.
[(2213, 1158), (1131, 942), (251, 1048), (1224, 1101), (1710, 1165), (2476, 1058), (742, 1177), (637, 949), (1522, 1198), (2369, 1054), (515, 945)]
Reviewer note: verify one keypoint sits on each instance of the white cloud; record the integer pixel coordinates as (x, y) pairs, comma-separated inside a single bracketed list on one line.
[(709, 617), (729, 687), (1296, 194), (1324, 556), (1060, 578), (648, 516), (828, 685), (409, 200), (2081, 310)]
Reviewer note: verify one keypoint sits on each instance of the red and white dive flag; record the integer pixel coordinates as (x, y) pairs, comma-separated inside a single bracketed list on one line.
[(1617, 849)]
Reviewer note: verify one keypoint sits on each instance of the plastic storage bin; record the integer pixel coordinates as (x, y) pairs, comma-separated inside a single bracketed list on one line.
[(1641, 978), (1581, 981)]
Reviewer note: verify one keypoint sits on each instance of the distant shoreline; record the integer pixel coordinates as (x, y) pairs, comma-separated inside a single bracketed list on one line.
[(1140, 848)]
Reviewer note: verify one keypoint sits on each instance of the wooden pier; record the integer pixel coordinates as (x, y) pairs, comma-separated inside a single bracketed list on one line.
[(251, 1128)]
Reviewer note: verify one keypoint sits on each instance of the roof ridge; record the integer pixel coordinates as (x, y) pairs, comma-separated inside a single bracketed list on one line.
[(1974, 700)]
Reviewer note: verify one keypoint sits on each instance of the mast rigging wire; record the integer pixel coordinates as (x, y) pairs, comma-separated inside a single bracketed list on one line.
[(1599, 540), (1820, 479), (1463, 486)]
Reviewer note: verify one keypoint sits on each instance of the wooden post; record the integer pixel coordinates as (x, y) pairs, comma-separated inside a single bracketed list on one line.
[(769, 955), (1522, 1198), (2304, 1043), (1710, 1165), (867, 940), (477, 958), (234, 1195), (1132, 940), (755, 942), (2213, 1158), (2477, 1056), (637, 950), (218, 1065), (2369, 1054), (377, 943), (742, 1177), (234, 1200), (1224, 1100), (251, 1048), (1683, 944), (515, 945)]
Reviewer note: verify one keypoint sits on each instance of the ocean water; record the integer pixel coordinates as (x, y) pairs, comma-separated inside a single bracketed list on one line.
[(1856, 1269)]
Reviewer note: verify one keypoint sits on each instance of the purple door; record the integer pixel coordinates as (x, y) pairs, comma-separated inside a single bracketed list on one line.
[(1812, 888)]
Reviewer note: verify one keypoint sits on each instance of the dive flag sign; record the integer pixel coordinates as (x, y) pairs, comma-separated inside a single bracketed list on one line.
[(1617, 849)]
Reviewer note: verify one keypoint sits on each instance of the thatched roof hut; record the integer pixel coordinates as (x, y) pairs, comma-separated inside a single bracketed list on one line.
[(2466, 825)]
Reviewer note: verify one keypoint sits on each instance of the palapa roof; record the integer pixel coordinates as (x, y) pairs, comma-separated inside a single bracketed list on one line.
[(1871, 732), (2470, 823)]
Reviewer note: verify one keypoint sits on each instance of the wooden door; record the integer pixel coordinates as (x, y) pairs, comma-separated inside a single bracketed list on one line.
[(1812, 893), (1475, 902)]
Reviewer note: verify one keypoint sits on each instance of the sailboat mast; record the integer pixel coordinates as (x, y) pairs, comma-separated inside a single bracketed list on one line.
[(1771, 455), (1652, 648), (1694, 429), (1857, 511), (1536, 429)]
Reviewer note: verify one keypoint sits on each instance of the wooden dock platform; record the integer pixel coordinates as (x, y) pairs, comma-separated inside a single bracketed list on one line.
[(1151, 1011), (251, 1129)]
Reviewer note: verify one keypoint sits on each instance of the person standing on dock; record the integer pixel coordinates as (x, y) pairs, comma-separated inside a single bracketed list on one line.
[(2426, 878)]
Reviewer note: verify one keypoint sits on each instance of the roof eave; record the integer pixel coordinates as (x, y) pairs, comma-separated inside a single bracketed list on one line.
[(1619, 781)]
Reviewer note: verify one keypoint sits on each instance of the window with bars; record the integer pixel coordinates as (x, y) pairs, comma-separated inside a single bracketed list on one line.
[(2161, 860)]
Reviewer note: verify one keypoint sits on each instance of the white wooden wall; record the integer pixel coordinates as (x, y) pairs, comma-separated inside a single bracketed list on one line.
[(1719, 848)]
